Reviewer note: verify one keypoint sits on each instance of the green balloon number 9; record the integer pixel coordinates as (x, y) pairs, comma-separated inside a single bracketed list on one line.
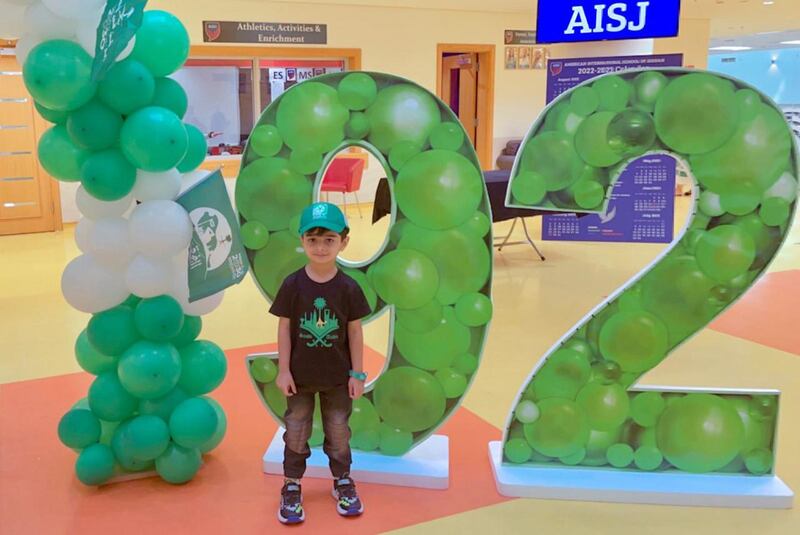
[(434, 270), (578, 408)]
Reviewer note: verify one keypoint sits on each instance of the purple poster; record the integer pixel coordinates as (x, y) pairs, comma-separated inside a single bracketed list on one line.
[(642, 202)]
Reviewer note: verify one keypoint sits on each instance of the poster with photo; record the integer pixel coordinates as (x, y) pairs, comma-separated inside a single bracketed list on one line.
[(512, 55), (524, 59), (539, 57)]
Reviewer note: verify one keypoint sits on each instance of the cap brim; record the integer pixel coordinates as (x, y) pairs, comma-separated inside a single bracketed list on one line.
[(321, 224)]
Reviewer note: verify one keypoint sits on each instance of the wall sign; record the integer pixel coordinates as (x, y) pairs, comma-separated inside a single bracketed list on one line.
[(564, 21), (519, 37), (273, 33)]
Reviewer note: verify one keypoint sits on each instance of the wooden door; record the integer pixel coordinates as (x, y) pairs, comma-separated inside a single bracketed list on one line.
[(460, 89), (28, 196)]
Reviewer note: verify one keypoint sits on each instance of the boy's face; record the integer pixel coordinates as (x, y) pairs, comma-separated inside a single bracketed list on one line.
[(323, 248)]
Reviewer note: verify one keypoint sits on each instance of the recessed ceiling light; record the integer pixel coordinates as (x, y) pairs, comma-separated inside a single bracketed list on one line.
[(795, 42), (731, 48), (768, 2)]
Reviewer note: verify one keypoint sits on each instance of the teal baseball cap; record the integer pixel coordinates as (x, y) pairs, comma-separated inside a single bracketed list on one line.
[(322, 214)]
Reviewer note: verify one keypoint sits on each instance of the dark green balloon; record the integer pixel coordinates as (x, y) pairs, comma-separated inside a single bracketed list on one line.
[(95, 465), (163, 406), (725, 252), (149, 370), (193, 422), (264, 181), (254, 235), (561, 429), (60, 156), (409, 399), (192, 325), (357, 91), (277, 260), (107, 175), (437, 348), (53, 116), (148, 437), (592, 140), (122, 447), (552, 156), (310, 116), (635, 341), (266, 141), (402, 112), (196, 150), (108, 399), (90, 359), (94, 126), (112, 331), (154, 139), (171, 95), (405, 278), (178, 465), (219, 433), (159, 319), (162, 43), (203, 367), (613, 92), (58, 74), (78, 429), (631, 133), (128, 86)]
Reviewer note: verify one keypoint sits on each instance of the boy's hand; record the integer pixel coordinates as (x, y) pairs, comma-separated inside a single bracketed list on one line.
[(285, 382), (356, 387)]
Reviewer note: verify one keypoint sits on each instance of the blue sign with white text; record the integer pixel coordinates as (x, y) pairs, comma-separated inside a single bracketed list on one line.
[(565, 21)]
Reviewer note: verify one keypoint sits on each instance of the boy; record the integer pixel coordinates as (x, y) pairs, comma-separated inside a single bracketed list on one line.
[(320, 350)]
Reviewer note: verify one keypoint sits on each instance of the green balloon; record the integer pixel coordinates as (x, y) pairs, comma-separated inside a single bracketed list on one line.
[(122, 446), (363, 282), (584, 101), (478, 224), (409, 399), (598, 445), (453, 185), (526, 412), (631, 133), (366, 440), (646, 408), (635, 341), (447, 136), (774, 211), (588, 194), (58, 75), (465, 363), (94, 126), (159, 319), (605, 406), (219, 432), (421, 320), (148, 437), (275, 399), (764, 408), (78, 429), (574, 459), (741, 200), (461, 259), (277, 260), (606, 372), (162, 43), (254, 235), (592, 140), (109, 401), (759, 461), (700, 433), (112, 331), (394, 441), (171, 95), (758, 433), (107, 175), (474, 310), (95, 465), (766, 239), (310, 116), (568, 121), (402, 152), (266, 141), (364, 415), (647, 458), (711, 204), (436, 349), (59, 156), (154, 139), (163, 406), (747, 101), (149, 370), (403, 112), (263, 370), (725, 252), (453, 383), (647, 87), (196, 151), (561, 429), (127, 87), (620, 455), (613, 93), (192, 325), (203, 367), (405, 278), (90, 359), (305, 161), (696, 113), (552, 156), (562, 375), (357, 91), (53, 116), (262, 183), (107, 430), (178, 465), (517, 450), (529, 188), (358, 126), (193, 422)]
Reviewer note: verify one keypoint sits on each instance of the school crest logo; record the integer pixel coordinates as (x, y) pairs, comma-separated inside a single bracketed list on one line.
[(320, 325), (556, 68), (213, 30)]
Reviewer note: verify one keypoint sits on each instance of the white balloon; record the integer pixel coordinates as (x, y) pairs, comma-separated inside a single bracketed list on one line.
[(157, 186), (149, 277), (24, 46), (87, 37), (11, 21), (45, 24), (75, 9), (90, 286), (111, 243), (97, 209), (204, 306), (160, 228), (193, 177), (83, 234), (784, 188)]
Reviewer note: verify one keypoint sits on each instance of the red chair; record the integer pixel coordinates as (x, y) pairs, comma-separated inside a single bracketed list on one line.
[(344, 176)]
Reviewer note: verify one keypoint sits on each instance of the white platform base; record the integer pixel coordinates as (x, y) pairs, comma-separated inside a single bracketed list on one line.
[(427, 466), (670, 488)]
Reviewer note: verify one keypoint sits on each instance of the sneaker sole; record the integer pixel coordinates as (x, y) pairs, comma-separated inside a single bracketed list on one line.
[(287, 521), (345, 512)]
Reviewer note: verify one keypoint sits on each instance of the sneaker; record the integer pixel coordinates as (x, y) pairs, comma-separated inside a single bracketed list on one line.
[(291, 510), (347, 501)]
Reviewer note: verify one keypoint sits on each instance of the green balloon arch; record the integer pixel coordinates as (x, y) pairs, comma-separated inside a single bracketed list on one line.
[(578, 407), (434, 270)]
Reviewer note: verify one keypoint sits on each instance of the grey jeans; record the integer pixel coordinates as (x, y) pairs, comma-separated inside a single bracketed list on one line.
[(336, 407)]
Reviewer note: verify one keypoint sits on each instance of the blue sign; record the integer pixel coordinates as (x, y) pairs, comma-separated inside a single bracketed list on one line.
[(566, 21)]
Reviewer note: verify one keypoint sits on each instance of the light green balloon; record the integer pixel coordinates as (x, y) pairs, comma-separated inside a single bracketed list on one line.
[(465, 363), (759, 461), (605, 406), (561, 429), (725, 252), (127, 87), (405, 278), (60, 156), (305, 161), (631, 133), (453, 383), (620, 455), (435, 349), (402, 112), (357, 90), (364, 416), (774, 211), (517, 450), (394, 441), (478, 224), (552, 155), (409, 399), (269, 191), (447, 136), (58, 74), (366, 287), (263, 370), (613, 92), (584, 101), (310, 116), (741, 200), (275, 399), (592, 141), (266, 141), (562, 375), (402, 152), (254, 235), (635, 341), (647, 458), (94, 126), (162, 43), (711, 204), (526, 412), (474, 310), (154, 139), (588, 194), (358, 126), (277, 260), (529, 188), (366, 440), (597, 446), (647, 87), (646, 408)]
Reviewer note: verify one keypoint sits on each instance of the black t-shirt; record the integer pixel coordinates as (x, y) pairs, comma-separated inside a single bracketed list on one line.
[(319, 314)]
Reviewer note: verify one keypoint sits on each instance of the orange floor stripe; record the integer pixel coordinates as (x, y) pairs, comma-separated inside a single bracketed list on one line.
[(767, 314), (40, 493)]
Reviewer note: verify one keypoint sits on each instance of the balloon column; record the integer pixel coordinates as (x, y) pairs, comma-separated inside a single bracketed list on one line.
[(435, 272), (577, 409), (124, 140)]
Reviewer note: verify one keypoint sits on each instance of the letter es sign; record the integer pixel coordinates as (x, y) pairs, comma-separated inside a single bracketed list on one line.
[(560, 21)]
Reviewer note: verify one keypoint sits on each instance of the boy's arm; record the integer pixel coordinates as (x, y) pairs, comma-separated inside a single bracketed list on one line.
[(285, 381), (355, 335)]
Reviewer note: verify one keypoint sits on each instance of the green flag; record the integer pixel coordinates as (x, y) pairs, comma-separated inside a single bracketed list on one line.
[(217, 257), (120, 21)]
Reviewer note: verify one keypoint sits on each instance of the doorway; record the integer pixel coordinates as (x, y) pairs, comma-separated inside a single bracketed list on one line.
[(465, 82)]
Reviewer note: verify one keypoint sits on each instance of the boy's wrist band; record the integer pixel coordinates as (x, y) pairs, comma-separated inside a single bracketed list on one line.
[(361, 376)]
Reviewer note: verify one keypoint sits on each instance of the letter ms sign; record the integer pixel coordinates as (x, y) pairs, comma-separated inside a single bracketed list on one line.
[(563, 21)]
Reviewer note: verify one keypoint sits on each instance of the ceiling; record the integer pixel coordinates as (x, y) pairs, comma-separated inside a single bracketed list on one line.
[(728, 17)]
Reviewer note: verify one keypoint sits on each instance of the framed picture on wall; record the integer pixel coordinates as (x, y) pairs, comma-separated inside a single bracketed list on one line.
[(539, 57), (524, 60), (512, 56)]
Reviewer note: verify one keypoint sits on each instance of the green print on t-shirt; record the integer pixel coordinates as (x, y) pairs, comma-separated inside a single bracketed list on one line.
[(319, 324)]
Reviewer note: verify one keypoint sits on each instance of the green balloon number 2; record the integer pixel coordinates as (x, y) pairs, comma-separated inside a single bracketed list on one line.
[(578, 408), (435, 268)]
